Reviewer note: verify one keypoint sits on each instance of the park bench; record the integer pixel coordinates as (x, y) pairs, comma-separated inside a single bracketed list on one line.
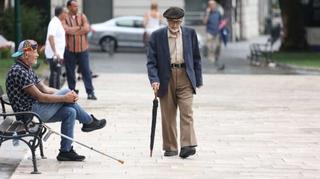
[(22, 126), (261, 53)]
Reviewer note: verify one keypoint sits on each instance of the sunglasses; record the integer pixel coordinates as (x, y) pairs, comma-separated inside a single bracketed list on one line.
[(30, 45)]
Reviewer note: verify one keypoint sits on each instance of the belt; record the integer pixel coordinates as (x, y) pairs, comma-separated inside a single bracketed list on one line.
[(176, 65)]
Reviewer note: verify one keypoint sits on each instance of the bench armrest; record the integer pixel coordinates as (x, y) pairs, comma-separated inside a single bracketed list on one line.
[(30, 125)]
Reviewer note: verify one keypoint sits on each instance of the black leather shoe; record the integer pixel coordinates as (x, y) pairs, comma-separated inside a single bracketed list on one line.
[(94, 75), (187, 151), (70, 156), (92, 97), (170, 153), (94, 125)]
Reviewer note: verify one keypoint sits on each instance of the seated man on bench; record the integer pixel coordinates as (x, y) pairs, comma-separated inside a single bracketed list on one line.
[(27, 93)]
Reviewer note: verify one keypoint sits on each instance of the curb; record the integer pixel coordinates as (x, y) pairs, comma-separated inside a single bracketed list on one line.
[(299, 69)]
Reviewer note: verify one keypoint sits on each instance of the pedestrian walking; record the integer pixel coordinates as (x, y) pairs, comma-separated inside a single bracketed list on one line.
[(55, 46), (174, 71), (151, 21), (212, 20), (77, 27)]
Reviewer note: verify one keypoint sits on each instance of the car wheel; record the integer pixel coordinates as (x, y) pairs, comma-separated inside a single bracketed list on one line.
[(108, 44)]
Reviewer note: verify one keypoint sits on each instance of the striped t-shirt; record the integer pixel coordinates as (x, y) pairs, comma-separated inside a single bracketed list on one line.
[(75, 42)]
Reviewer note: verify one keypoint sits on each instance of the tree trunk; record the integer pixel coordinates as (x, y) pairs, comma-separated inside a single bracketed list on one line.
[(293, 26)]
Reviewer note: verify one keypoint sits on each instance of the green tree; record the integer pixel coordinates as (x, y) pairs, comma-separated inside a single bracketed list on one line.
[(32, 24), (293, 24)]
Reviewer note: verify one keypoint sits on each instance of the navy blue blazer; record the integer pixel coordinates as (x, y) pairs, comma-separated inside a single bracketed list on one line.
[(158, 54)]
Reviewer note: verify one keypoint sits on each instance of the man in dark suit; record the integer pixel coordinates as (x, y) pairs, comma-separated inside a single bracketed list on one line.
[(174, 70)]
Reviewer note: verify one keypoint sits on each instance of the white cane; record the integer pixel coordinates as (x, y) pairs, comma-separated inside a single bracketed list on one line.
[(50, 131)]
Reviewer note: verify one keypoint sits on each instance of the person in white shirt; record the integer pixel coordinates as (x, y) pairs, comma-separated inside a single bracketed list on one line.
[(55, 46)]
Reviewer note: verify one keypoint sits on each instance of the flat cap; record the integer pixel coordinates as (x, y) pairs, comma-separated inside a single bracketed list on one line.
[(174, 13)]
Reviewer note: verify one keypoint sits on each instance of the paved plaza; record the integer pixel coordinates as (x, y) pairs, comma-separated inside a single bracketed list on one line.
[(251, 123), (248, 126)]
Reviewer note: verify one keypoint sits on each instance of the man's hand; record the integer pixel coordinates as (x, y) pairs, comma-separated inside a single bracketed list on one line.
[(71, 97), (57, 55), (208, 10), (155, 86), (59, 59), (205, 19)]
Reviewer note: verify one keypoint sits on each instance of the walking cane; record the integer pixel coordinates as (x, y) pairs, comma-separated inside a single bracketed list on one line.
[(154, 121), (50, 131)]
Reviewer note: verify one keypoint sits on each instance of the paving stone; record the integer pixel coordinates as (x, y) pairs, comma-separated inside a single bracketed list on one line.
[(248, 127)]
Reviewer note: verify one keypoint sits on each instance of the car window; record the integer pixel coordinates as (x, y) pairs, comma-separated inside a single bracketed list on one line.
[(125, 23), (138, 24)]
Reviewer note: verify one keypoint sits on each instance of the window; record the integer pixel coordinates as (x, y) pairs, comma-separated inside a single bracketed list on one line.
[(138, 24), (125, 23)]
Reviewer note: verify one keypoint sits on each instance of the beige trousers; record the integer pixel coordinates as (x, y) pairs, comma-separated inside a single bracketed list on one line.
[(214, 47), (180, 95)]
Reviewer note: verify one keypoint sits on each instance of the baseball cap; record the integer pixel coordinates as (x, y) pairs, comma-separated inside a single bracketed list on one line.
[(26, 45)]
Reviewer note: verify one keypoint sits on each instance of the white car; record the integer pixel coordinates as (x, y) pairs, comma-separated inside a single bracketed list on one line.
[(126, 31)]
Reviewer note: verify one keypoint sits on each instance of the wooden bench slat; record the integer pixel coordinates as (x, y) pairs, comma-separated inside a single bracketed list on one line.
[(6, 124), (5, 99), (21, 130), (17, 127), (13, 126)]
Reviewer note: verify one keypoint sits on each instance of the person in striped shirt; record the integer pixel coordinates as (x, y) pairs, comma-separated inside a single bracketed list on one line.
[(77, 27)]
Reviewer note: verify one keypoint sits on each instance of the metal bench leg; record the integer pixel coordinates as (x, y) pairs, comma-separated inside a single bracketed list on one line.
[(270, 57), (43, 131), (34, 162), (41, 150), (32, 147), (1, 140)]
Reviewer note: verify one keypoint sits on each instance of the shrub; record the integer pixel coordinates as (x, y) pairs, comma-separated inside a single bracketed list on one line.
[(5, 53), (32, 24)]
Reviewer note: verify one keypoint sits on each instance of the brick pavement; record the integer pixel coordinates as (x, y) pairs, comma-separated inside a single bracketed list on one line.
[(248, 127), (9, 162)]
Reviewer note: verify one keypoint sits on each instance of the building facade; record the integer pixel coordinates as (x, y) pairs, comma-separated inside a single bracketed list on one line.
[(247, 18), (139, 7), (311, 11)]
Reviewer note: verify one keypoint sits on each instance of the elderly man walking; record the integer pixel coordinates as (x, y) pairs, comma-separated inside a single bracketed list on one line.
[(174, 70)]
